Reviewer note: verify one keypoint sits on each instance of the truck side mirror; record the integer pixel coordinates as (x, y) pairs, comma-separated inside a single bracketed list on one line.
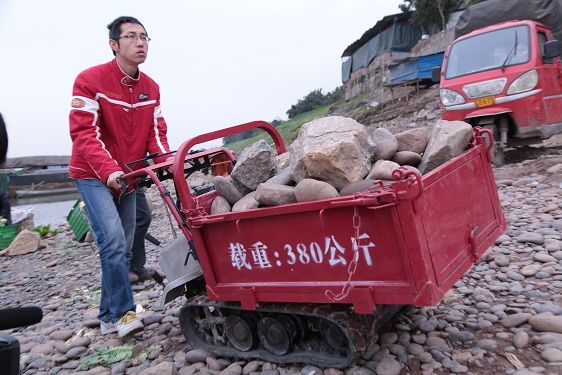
[(436, 74), (551, 49)]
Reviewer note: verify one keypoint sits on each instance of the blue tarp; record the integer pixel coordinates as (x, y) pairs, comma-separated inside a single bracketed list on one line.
[(415, 68), (404, 71), (426, 63)]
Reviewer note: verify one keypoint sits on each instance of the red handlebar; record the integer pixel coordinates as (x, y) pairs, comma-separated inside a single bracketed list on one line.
[(182, 189)]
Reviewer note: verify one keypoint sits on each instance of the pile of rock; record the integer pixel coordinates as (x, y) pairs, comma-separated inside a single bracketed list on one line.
[(333, 156)]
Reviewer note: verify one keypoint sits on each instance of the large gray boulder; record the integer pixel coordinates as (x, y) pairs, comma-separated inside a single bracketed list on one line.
[(226, 189), (414, 140), (275, 195), (248, 202), (385, 144), (382, 170), (407, 158), (220, 205), (283, 177), (356, 187), (334, 149), (311, 190), (448, 139), (255, 165), (282, 161)]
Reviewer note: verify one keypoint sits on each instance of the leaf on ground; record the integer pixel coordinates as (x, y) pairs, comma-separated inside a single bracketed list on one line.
[(144, 354), (106, 357)]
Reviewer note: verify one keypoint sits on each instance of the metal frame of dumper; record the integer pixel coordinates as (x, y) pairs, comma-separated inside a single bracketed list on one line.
[(404, 243)]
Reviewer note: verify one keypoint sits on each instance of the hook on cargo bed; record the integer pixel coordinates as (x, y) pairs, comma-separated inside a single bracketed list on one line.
[(408, 177)]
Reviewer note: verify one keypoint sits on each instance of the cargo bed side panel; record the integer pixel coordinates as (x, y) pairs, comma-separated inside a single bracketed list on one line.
[(461, 215), (298, 256)]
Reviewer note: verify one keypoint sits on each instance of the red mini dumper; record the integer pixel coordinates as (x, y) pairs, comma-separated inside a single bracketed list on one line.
[(313, 282)]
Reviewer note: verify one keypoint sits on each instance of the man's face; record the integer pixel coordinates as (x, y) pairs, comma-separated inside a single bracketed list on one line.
[(131, 47)]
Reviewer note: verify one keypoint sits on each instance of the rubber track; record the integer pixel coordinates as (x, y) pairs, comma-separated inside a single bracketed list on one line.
[(359, 330)]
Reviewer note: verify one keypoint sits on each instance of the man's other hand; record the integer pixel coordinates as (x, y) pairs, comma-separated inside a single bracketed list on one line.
[(170, 169), (112, 180)]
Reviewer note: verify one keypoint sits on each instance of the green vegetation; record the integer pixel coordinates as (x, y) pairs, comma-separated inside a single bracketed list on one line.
[(143, 355), (45, 230), (107, 356), (86, 295), (430, 12), (288, 129), (313, 101)]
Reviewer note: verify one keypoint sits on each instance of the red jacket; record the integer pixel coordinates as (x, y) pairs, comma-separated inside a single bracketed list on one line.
[(114, 119)]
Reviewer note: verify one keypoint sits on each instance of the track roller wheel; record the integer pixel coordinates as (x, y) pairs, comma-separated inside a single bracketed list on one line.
[(274, 336), (333, 336), (239, 333), (292, 326)]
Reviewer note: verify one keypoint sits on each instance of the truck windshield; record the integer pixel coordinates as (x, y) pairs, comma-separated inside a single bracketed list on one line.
[(495, 49)]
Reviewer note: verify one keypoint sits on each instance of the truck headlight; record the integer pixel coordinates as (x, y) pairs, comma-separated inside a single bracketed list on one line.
[(450, 97), (525, 82)]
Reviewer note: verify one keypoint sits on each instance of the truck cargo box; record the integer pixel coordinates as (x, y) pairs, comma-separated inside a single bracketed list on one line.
[(491, 12)]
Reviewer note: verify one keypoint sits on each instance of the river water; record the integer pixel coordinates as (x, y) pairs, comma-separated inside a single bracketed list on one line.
[(47, 210)]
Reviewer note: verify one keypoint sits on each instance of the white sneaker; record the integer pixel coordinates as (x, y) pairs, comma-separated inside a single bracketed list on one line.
[(140, 311), (128, 324), (107, 328)]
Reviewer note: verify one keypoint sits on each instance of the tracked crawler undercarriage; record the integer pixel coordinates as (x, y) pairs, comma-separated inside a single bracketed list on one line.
[(323, 335)]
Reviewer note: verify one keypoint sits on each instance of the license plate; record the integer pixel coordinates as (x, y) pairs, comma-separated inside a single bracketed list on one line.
[(485, 101)]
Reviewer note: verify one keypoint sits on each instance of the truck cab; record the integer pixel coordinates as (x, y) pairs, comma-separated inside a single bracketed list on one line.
[(505, 77)]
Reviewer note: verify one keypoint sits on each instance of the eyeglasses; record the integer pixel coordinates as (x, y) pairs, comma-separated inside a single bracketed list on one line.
[(131, 37)]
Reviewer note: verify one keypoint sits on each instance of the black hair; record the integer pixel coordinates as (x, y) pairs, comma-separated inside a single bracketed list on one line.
[(3, 141), (115, 27)]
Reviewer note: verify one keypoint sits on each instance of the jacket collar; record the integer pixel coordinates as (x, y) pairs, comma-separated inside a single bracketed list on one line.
[(124, 78)]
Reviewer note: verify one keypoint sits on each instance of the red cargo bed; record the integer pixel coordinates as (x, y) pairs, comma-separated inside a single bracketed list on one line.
[(406, 243)]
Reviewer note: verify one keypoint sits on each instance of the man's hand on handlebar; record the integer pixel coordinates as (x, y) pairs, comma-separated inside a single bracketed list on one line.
[(114, 181), (170, 169)]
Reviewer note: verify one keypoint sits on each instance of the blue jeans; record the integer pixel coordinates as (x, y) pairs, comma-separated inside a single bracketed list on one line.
[(137, 258), (112, 222)]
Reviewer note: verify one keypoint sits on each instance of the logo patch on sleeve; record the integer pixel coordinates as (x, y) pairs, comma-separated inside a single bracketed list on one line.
[(77, 103), (143, 96)]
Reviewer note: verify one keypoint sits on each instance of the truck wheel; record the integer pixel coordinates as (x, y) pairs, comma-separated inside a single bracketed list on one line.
[(498, 153)]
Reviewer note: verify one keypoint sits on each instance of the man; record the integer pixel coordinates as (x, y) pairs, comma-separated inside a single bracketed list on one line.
[(115, 117)]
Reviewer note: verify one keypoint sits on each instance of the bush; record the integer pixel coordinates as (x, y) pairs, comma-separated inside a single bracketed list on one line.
[(239, 136), (313, 100)]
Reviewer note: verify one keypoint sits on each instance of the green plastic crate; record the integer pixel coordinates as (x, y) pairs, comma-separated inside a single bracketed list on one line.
[(78, 221), (7, 235)]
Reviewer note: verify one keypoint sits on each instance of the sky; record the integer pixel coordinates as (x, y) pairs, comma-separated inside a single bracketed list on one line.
[(219, 63)]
